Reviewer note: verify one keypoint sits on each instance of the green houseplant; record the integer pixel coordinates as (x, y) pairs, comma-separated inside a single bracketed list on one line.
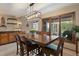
[(32, 31), (68, 33), (76, 29)]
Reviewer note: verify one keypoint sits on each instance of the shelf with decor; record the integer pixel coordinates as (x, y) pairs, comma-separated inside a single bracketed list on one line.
[(12, 21)]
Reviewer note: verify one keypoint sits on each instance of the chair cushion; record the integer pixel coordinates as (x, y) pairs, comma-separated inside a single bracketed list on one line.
[(52, 46), (31, 43)]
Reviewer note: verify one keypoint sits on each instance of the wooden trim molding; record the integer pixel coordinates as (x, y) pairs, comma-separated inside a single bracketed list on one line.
[(70, 13), (59, 20)]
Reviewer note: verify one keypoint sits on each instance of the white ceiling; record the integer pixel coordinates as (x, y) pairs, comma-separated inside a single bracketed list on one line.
[(19, 9)]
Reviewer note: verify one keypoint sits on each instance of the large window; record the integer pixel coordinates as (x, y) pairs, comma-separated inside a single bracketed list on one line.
[(55, 27), (66, 23), (35, 25), (58, 24)]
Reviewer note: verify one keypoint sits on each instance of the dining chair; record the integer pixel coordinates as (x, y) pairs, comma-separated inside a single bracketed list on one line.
[(26, 47), (31, 46), (53, 49), (17, 44), (20, 49)]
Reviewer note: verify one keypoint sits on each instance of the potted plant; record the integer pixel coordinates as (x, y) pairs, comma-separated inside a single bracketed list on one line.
[(76, 29), (67, 34), (32, 31)]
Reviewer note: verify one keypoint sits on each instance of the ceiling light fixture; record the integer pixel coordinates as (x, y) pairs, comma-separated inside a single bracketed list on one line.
[(32, 13)]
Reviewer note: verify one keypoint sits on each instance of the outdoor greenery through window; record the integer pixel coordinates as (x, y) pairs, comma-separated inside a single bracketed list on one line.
[(66, 23), (59, 24)]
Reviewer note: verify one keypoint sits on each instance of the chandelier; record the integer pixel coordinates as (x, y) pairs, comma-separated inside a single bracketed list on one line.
[(31, 13)]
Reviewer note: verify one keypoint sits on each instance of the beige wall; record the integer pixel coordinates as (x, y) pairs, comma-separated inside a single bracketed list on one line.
[(27, 29), (67, 9)]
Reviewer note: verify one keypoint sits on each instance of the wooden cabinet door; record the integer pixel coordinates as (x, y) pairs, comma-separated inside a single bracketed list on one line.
[(3, 38), (12, 37)]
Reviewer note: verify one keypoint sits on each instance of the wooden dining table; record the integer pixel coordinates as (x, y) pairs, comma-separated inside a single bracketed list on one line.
[(41, 40)]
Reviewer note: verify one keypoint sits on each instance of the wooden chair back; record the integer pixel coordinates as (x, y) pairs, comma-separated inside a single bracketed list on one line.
[(60, 46), (20, 43)]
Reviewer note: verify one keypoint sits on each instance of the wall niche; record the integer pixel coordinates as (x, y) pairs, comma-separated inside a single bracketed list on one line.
[(2, 22)]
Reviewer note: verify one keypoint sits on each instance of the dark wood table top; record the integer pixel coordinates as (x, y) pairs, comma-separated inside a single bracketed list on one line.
[(41, 39)]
